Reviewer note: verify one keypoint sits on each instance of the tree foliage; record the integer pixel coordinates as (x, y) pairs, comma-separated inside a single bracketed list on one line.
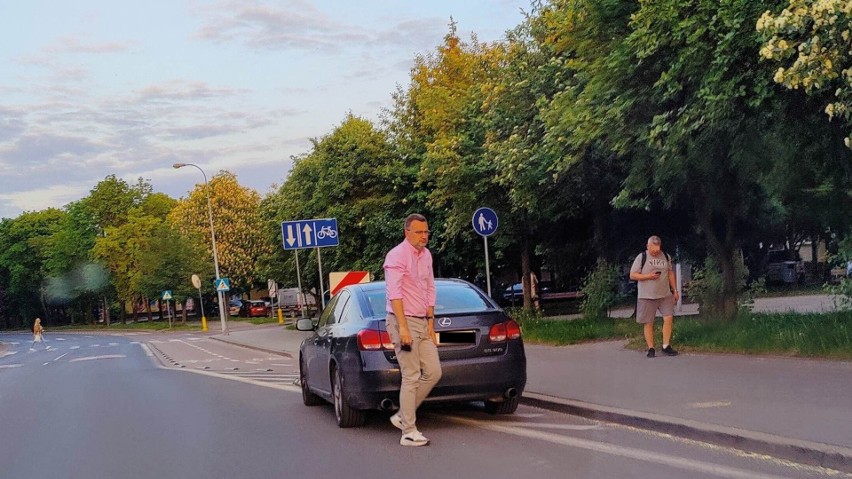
[(811, 40)]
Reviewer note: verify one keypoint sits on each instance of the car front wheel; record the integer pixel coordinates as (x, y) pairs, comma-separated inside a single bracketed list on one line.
[(346, 416)]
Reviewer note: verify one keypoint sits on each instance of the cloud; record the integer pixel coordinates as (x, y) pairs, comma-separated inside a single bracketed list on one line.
[(73, 45), (42, 198), (180, 90)]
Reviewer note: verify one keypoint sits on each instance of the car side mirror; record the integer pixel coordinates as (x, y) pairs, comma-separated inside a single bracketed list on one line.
[(305, 325)]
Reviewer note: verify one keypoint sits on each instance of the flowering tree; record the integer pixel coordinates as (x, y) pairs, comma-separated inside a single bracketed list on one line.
[(811, 39), (238, 224)]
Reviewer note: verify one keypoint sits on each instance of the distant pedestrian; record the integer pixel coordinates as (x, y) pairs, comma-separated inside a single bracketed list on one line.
[(657, 291), (534, 290), (38, 334), (410, 284)]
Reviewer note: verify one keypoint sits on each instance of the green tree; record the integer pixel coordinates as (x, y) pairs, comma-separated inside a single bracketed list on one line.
[(23, 258), (350, 174)]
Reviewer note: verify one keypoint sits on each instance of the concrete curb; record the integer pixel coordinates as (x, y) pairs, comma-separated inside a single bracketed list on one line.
[(256, 348), (800, 451)]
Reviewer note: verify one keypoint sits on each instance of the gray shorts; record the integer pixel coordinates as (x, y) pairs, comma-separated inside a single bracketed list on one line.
[(646, 309)]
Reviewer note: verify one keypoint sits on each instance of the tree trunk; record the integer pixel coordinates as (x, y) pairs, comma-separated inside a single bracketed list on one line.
[(183, 316), (160, 309), (724, 250), (123, 314), (106, 313), (148, 309)]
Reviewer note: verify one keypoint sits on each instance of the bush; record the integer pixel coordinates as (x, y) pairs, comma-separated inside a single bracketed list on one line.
[(843, 291), (599, 291)]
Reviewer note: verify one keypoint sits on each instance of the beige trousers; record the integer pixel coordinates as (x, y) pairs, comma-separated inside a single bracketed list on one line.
[(420, 368)]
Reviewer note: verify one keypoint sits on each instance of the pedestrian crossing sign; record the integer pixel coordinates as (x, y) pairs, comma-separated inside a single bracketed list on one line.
[(167, 295), (222, 284)]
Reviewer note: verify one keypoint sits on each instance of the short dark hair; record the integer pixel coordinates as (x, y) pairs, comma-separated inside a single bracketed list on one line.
[(413, 217)]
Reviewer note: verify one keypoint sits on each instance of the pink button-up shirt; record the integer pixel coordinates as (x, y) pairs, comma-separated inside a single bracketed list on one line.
[(409, 277)]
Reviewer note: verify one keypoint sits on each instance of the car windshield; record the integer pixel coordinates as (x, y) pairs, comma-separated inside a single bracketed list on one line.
[(452, 298)]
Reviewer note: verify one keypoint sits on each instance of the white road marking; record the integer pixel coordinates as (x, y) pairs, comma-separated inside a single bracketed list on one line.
[(708, 405), (8, 354), (59, 339), (92, 358), (113, 344), (45, 364), (74, 347), (10, 366), (60, 357), (621, 451), (95, 346), (147, 350), (527, 416)]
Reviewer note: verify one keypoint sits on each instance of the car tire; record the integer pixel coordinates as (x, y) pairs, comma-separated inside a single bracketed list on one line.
[(346, 416), (309, 398), (509, 406)]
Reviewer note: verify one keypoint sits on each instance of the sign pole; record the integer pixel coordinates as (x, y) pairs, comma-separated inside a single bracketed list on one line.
[(485, 224), (487, 267), (301, 296), (322, 286)]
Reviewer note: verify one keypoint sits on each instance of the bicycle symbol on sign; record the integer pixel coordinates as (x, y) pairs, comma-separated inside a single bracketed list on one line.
[(326, 231)]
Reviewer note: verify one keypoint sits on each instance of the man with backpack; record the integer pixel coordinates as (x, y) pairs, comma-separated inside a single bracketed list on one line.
[(657, 291)]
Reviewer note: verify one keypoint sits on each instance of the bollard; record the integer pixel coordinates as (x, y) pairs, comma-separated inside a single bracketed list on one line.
[(203, 324), (280, 317)]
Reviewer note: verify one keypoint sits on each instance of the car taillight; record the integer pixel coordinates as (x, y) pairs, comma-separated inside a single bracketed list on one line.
[(502, 331), (374, 340)]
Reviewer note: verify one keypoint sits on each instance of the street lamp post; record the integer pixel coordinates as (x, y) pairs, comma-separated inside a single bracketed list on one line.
[(219, 294)]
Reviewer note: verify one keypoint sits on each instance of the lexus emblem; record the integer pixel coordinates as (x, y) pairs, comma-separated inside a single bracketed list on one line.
[(445, 322)]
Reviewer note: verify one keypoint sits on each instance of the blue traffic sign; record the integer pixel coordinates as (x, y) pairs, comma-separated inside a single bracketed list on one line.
[(222, 284), (485, 221), (316, 233), (167, 295)]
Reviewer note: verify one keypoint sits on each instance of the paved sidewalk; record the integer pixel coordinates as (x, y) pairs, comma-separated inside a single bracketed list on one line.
[(799, 409)]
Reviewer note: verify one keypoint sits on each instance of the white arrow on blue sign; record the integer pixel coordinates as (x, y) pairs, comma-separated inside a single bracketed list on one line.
[(485, 221), (316, 233)]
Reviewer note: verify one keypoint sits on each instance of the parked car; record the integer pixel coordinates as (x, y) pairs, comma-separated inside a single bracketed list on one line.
[(784, 266), (234, 306), (349, 359), (255, 308), (514, 294)]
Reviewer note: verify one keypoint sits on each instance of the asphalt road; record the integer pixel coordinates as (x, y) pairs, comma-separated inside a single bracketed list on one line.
[(187, 406)]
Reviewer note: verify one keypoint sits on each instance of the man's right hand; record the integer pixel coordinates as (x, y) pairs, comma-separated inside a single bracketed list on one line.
[(404, 336)]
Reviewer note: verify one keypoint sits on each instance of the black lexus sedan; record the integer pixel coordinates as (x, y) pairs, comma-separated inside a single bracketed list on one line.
[(350, 360)]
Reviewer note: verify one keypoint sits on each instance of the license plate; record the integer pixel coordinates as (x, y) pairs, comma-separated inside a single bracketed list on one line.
[(450, 338)]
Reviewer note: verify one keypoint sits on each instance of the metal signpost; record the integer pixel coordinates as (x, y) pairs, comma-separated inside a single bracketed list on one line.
[(304, 234), (485, 224), (167, 296), (196, 281)]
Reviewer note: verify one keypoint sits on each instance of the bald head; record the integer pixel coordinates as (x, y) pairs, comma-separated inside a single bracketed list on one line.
[(654, 245)]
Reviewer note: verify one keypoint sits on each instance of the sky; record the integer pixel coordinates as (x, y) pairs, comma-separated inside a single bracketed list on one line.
[(90, 88)]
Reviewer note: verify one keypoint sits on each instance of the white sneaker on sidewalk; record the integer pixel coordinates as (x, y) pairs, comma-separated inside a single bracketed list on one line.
[(414, 439), (396, 421)]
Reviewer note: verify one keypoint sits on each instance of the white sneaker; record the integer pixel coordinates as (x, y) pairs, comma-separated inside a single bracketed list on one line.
[(396, 421), (413, 439)]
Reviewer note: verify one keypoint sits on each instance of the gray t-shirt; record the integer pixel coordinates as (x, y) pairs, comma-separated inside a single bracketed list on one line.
[(653, 288)]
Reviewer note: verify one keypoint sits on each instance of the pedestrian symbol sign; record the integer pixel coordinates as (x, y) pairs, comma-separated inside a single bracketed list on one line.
[(485, 221), (167, 295), (222, 284)]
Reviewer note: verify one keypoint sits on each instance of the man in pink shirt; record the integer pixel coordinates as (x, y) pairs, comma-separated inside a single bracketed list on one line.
[(410, 286)]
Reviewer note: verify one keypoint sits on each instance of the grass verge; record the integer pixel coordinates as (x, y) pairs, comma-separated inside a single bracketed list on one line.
[(816, 335), (143, 326)]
